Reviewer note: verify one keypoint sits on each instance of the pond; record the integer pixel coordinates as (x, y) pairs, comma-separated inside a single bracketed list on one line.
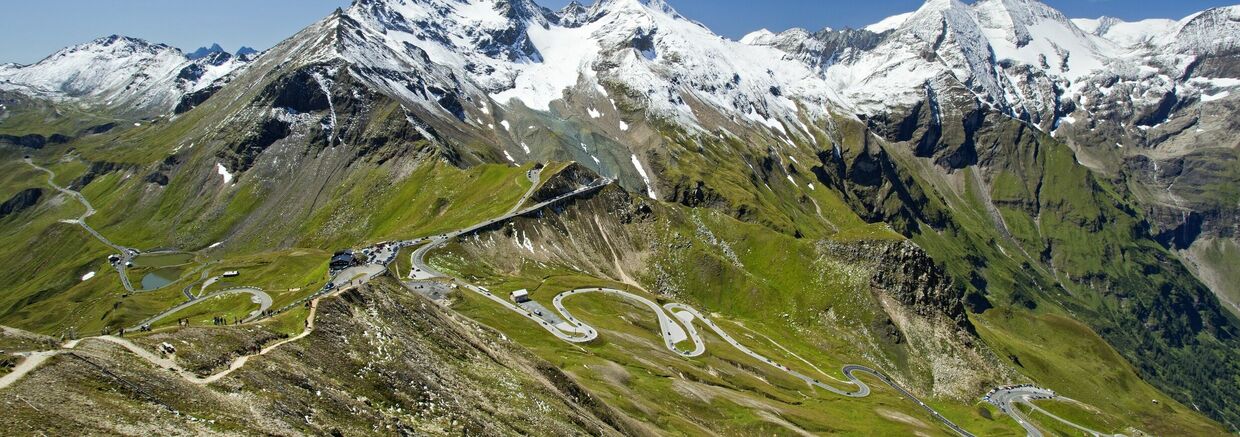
[(160, 278)]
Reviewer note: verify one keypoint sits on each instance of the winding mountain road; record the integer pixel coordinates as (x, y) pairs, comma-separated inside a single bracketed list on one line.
[(672, 328), (345, 280), (258, 296), (534, 176), (1007, 399), (419, 255), (126, 253), (34, 359)]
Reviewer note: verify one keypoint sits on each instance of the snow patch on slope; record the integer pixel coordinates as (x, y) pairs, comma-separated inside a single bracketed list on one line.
[(645, 178), (223, 172), (1215, 97)]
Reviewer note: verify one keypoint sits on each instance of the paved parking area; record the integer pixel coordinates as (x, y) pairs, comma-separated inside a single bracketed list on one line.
[(436, 291), (542, 312)]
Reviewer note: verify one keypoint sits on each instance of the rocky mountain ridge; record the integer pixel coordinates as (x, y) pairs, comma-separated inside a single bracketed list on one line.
[(125, 74)]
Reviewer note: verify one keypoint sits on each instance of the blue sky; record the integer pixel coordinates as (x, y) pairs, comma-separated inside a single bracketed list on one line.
[(34, 29)]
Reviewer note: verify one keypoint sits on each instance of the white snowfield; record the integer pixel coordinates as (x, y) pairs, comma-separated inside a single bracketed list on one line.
[(1128, 34), (645, 45)]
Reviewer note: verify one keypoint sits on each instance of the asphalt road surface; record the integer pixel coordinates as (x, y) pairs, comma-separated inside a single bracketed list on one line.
[(535, 176), (419, 256), (670, 328)]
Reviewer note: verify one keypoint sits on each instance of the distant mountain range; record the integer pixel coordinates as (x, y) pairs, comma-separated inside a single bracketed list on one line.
[(215, 49)]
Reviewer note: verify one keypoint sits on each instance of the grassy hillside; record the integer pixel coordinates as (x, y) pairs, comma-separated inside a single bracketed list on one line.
[(1066, 356), (793, 299), (1029, 230)]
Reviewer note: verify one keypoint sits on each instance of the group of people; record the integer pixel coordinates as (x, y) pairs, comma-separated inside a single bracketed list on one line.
[(121, 332)]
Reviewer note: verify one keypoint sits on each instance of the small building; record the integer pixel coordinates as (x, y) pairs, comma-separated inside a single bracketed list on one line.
[(231, 274), (521, 296), (342, 260)]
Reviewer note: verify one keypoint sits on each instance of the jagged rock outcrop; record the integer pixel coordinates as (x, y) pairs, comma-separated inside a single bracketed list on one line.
[(21, 201), (96, 169), (33, 141), (906, 273), (568, 179)]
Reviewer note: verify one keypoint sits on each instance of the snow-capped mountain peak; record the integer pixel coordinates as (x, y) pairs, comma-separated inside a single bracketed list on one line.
[(1015, 18), (942, 40), (515, 51), (573, 14), (128, 74), (103, 67), (978, 47), (1033, 33), (1211, 31), (758, 37), (203, 52), (1020, 57)]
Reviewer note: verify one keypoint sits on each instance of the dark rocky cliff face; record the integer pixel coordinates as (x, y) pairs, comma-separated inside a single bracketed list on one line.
[(33, 141), (906, 273), (565, 181), (20, 202), (97, 169), (923, 314)]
